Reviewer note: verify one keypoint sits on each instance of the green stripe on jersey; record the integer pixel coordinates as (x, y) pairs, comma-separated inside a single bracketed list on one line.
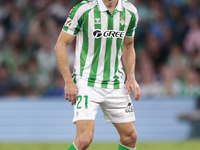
[(84, 50), (131, 24), (119, 44), (74, 10), (78, 26), (97, 47), (72, 13), (130, 3), (106, 73), (74, 76)]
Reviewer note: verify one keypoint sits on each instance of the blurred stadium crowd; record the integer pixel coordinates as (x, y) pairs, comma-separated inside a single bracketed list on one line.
[(167, 43)]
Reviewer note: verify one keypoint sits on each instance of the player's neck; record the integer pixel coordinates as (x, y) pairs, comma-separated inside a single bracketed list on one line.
[(110, 5)]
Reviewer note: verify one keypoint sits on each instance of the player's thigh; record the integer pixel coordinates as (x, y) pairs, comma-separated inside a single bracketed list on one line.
[(87, 103), (118, 107), (125, 129), (85, 129)]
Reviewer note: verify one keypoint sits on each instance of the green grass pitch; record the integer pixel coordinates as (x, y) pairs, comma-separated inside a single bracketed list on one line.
[(184, 145)]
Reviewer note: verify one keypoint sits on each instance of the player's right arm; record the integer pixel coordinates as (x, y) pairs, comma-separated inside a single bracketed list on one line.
[(69, 31), (71, 90)]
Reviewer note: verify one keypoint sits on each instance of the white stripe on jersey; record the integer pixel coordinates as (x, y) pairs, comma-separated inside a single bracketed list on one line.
[(90, 54), (79, 38), (134, 10), (79, 42), (128, 17), (114, 46), (100, 70)]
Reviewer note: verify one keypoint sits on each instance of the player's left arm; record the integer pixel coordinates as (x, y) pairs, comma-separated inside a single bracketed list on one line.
[(128, 61)]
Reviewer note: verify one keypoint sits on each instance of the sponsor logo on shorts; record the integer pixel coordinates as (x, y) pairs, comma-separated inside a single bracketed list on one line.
[(108, 33), (129, 108)]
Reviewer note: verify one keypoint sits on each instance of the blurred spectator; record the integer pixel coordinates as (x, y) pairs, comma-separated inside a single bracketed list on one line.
[(170, 85), (7, 83), (12, 52), (161, 20), (16, 21), (34, 74), (177, 61), (191, 41), (2, 33), (191, 87), (21, 76), (32, 92), (193, 7), (46, 57), (196, 61), (154, 50), (179, 24), (147, 76), (144, 10), (57, 88), (59, 10)]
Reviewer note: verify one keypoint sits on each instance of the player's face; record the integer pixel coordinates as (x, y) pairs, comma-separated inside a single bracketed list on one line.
[(110, 1)]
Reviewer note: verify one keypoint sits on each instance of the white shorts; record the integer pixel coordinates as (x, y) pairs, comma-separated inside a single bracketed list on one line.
[(116, 104)]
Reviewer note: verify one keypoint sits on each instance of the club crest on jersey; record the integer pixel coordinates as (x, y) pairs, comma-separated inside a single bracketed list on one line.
[(97, 21), (122, 21), (108, 33), (68, 22)]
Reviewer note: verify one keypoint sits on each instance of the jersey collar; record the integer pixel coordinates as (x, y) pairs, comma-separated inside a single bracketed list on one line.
[(102, 7)]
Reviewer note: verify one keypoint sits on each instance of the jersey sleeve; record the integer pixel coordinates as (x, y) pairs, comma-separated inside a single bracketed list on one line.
[(133, 24), (74, 21)]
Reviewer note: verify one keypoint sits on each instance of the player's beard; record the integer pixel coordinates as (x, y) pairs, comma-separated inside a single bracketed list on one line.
[(110, 1)]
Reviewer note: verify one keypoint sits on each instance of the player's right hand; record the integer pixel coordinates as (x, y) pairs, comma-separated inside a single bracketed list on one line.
[(71, 91)]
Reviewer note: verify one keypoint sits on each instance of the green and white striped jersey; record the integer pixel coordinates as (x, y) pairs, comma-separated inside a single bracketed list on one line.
[(99, 41)]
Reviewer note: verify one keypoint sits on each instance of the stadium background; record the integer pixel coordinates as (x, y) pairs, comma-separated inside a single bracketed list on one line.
[(167, 44)]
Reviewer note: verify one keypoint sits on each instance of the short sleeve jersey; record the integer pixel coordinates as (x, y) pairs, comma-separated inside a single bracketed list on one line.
[(99, 41)]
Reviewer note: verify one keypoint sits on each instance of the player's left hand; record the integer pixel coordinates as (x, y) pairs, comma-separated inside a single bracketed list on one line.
[(131, 84)]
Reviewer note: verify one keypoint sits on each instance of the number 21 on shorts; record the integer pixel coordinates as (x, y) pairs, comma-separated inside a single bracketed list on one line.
[(79, 99)]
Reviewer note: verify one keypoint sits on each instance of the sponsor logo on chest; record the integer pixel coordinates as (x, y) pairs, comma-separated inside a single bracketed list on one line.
[(108, 33)]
